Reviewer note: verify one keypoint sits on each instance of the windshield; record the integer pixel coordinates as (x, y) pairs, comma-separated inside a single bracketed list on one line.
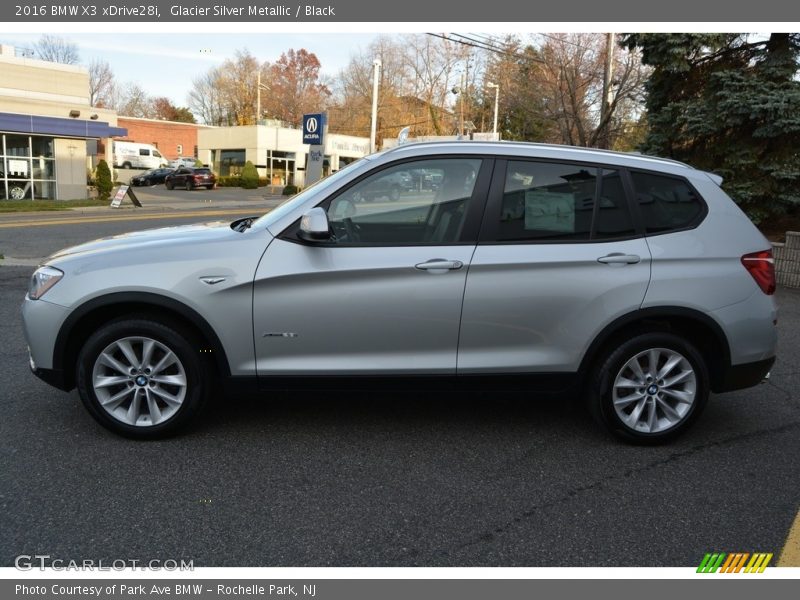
[(291, 203)]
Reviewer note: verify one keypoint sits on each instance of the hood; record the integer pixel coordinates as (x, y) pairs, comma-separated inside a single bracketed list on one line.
[(182, 235)]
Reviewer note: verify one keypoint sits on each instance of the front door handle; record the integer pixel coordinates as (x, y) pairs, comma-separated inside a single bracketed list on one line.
[(440, 264), (617, 258)]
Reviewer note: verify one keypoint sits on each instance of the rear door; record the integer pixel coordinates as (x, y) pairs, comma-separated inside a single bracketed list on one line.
[(560, 256)]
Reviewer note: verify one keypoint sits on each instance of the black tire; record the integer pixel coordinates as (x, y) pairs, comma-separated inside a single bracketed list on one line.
[(394, 193), (610, 366), (210, 187), (189, 185), (182, 344), (168, 185), (126, 165)]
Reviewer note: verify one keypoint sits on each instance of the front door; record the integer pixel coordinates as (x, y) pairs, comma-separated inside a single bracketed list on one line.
[(384, 294)]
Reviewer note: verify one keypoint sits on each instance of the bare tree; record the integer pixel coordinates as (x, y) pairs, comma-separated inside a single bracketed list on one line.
[(571, 77), (101, 83), (56, 49), (227, 95), (206, 98), (133, 101)]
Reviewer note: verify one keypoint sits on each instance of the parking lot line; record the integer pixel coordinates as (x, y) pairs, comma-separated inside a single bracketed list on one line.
[(131, 217), (790, 555)]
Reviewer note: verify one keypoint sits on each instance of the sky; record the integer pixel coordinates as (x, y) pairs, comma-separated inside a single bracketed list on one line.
[(165, 64)]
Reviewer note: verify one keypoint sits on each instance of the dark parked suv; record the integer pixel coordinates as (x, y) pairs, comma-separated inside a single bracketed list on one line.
[(191, 178)]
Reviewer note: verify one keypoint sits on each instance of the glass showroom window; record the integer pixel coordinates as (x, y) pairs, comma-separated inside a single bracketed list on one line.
[(27, 167)]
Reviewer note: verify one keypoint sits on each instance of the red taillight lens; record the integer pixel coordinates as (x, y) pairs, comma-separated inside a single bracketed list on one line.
[(761, 266)]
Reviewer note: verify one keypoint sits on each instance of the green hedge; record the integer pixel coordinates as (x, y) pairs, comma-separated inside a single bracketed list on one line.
[(290, 190), (229, 181)]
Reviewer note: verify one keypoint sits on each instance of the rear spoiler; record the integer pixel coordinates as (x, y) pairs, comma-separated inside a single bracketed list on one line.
[(714, 177)]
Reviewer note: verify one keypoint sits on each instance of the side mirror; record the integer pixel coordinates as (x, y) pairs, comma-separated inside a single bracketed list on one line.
[(314, 225)]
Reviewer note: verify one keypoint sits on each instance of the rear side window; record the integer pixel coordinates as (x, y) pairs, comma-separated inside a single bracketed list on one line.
[(144, 152), (666, 203), (552, 202)]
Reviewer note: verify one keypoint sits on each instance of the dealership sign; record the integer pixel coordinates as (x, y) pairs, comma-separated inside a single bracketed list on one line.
[(313, 126)]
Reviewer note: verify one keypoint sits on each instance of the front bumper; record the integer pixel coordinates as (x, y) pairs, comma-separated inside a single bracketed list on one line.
[(41, 322)]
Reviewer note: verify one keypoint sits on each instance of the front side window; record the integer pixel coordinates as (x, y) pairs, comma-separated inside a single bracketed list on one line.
[(422, 202), (666, 203), (545, 201)]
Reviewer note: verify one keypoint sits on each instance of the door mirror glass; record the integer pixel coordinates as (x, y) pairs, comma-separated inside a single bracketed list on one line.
[(314, 225)]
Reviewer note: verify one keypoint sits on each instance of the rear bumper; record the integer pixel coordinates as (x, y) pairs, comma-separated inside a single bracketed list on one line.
[(746, 375)]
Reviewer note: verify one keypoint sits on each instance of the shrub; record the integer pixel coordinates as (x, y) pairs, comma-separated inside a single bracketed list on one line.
[(198, 163), (290, 190), (229, 181), (249, 176), (104, 183)]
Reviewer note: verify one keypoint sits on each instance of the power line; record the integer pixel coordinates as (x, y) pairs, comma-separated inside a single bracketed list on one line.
[(467, 41)]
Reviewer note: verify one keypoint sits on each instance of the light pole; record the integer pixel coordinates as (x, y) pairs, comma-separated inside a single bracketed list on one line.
[(496, 102), (376, 70), (259, 86)]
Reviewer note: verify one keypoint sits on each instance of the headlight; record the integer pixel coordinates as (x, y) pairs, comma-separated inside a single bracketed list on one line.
[(43, 279)]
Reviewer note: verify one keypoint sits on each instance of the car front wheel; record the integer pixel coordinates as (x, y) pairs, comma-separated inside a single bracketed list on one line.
[(142, 378), (650, 388)]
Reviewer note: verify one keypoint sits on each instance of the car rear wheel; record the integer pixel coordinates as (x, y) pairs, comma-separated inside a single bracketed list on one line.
[(142, 378), (126, 165), (189, 185), (650, 388)]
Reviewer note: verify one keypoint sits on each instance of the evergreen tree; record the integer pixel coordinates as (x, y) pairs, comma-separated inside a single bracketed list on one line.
[(104, 183), (728, 104), (249, 176)]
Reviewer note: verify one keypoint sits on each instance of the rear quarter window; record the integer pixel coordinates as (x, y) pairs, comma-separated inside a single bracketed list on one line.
[(666, 203)]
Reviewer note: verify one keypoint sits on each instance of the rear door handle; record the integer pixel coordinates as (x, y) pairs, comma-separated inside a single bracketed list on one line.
[(440, 264), (617, 258)]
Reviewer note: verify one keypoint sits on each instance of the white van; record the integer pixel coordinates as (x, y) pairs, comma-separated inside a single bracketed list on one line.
[(132, 155)]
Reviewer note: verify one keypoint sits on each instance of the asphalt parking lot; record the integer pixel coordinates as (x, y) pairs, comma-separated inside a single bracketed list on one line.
[(382, 478)]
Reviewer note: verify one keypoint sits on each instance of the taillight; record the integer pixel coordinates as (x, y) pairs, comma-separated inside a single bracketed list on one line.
[(761, 266)]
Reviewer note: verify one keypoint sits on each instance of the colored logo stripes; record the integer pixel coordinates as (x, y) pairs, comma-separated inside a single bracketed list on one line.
[(735, 562)]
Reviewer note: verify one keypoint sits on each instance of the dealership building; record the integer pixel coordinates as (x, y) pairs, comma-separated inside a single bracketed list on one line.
[(49, 132), (277, 151)]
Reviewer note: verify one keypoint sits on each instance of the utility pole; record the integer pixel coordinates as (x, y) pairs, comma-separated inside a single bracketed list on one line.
[(496, 87), (461, 124), (376, 70), (605, 108)]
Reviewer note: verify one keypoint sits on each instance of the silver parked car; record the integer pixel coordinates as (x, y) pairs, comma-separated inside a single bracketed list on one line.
[(633, 281)]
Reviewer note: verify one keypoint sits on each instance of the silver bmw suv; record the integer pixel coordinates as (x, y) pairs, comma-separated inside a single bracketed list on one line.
[(630, 280)]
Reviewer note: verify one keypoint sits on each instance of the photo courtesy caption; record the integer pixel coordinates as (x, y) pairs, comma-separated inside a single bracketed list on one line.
[(178, 589)]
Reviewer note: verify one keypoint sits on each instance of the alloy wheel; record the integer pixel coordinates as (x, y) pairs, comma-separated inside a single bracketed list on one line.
[(139, 381), (654, 390)]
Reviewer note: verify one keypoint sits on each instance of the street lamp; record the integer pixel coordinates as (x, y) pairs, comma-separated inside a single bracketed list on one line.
[(259, 86), (496, 102), (373, 130)]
